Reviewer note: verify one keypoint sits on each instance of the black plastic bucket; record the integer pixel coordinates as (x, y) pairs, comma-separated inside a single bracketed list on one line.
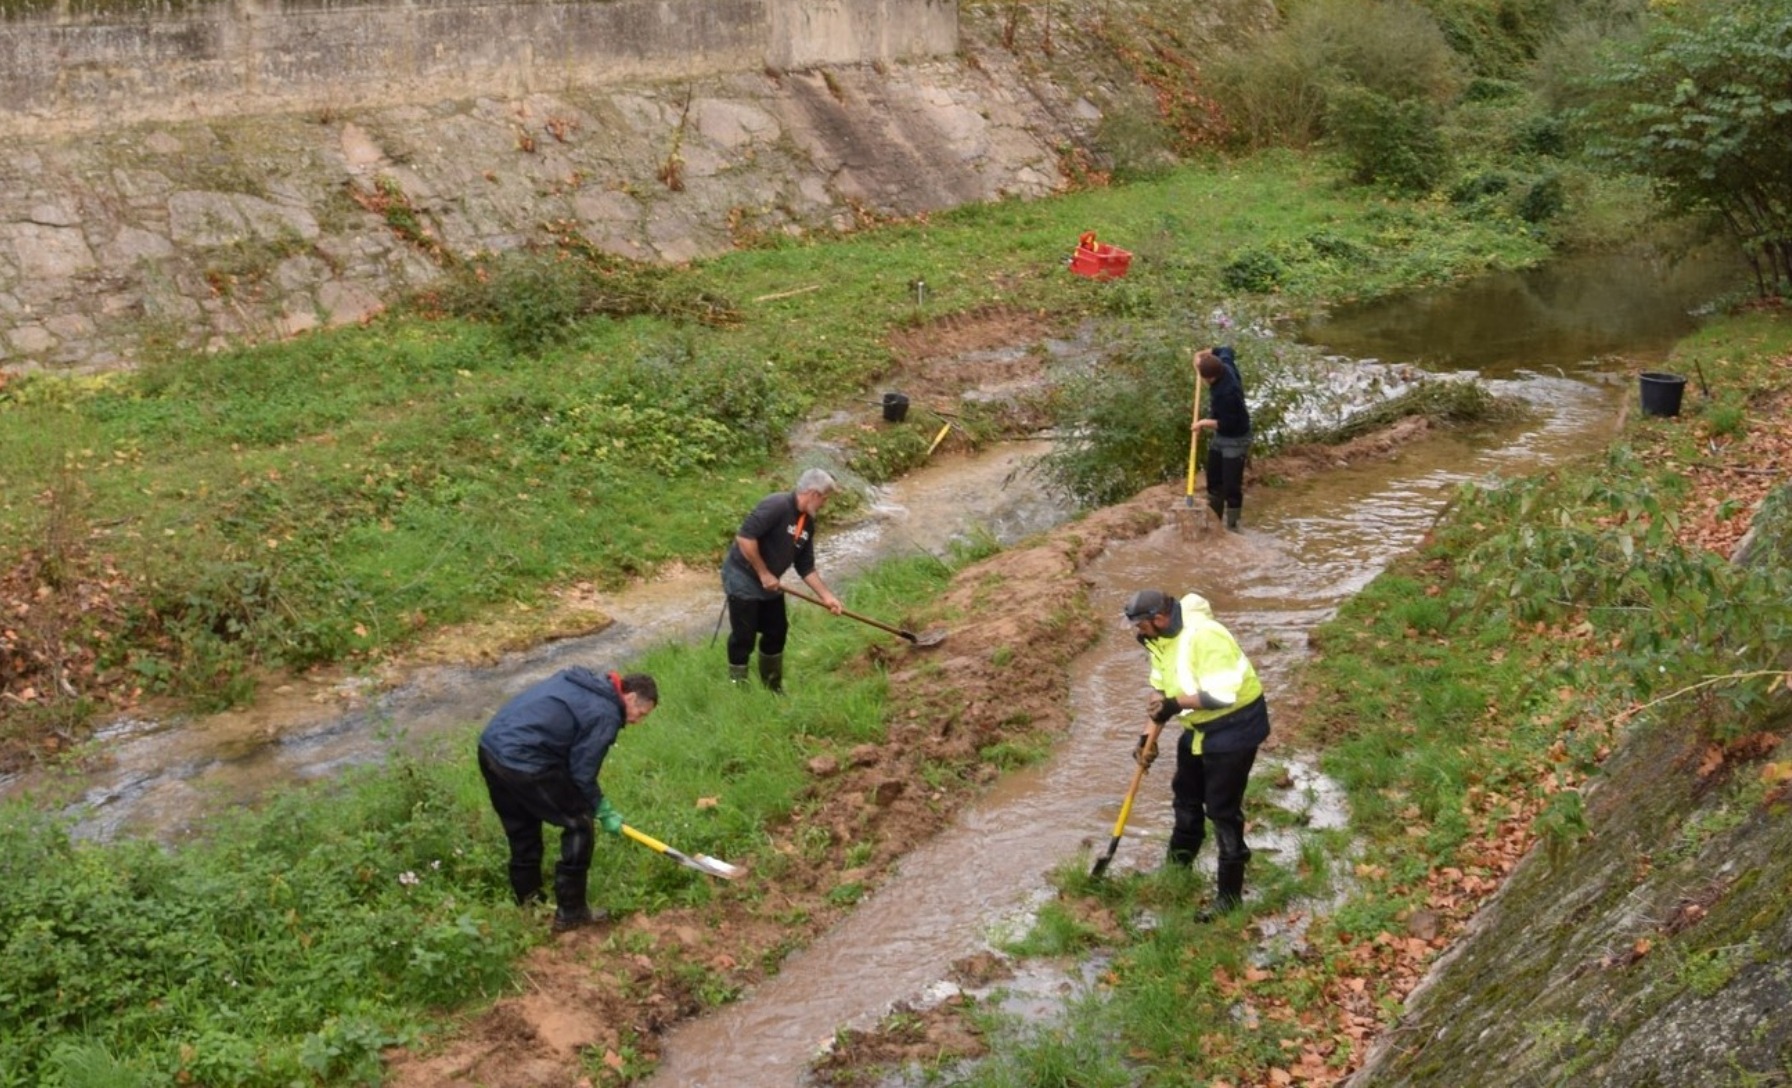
[(895, 407), (1661, 393)]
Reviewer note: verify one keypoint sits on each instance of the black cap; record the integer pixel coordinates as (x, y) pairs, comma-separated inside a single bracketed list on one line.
[(1147, 603)]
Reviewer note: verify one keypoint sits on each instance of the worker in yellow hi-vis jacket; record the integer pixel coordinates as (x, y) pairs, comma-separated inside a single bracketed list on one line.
[(1202, 679)]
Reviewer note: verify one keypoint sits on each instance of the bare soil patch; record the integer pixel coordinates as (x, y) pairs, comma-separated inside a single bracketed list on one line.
[(990, 353)]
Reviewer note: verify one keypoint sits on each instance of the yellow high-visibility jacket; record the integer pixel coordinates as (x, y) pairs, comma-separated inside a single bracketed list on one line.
[(1203, 656)]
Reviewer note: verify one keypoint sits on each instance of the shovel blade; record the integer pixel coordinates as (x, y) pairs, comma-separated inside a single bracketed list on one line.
[(1102, 862), (703, 863), (719, 868)]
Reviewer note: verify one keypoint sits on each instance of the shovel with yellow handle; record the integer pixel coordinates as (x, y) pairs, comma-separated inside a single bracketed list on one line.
[(1132, 791), (703, 863), (1192, 518)]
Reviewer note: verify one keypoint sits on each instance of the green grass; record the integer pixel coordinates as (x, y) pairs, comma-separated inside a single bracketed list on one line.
[(294, 943), (330, 497), (1458, 690)]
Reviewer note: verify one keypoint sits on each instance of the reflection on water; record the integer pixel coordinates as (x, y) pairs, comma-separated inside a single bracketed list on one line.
[(1565, 315)]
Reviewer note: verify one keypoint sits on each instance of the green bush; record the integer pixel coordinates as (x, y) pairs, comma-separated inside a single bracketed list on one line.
[(1135, 141), (1480, 186), (1541, 134), (1543, 201), (1394, 143), (1280, 88), (1489, 89), (535, 298), (1496, 37), (1256, 270), (1272, 91)]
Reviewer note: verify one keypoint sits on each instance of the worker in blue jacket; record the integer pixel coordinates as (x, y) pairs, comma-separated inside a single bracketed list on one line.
[(540, 756), (1203, 682)]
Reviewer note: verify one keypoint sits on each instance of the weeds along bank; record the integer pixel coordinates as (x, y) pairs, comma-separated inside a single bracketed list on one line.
[(1645, 937), (308, 939), (1563, 726), (340, 495), (546, 407)]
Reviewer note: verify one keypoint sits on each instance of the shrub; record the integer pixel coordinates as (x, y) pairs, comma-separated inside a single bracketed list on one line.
[(1256, 270), (1543, 201), (1541, 134), (1394, 143), (1480, 186), (1280, 88)]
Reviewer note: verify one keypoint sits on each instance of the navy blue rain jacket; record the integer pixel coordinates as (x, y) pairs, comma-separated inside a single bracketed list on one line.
[(568, 721), (1225, 400)]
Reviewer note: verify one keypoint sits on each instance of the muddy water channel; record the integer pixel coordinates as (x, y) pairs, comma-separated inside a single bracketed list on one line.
[(162, 776), (1550, 338), (1306, 548)]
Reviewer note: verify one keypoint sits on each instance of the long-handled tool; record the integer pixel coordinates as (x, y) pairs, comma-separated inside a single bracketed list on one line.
[(703, 863), (1194, 445), (929, 638), (1132, 791), (1189, 517)]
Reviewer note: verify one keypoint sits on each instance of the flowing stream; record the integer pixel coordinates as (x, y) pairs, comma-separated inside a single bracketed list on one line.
[(1306, 548), (163, 776), (1549, 337)]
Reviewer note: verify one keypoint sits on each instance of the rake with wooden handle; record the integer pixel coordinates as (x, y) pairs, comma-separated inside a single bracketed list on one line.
[(929, 638)]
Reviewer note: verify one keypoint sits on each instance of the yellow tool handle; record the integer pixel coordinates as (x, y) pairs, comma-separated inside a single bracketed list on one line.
[(1194, 437), (645, 839), (938, 438), (1132, 791), (1126, 805)]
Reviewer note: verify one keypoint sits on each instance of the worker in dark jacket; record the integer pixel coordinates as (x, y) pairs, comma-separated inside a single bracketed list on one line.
[(779, 534), (540, 756), (1203, 681), (1230, 421)]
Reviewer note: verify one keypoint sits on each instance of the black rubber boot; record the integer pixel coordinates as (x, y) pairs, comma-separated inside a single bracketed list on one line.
[(737, 675), (570, 911), (1229, 891), (584, 916), (525, 884), (1184, 845), (1232, 513), (771, 672)]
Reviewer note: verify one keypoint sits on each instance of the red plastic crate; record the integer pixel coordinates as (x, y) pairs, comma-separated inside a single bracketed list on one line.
[(1098, 260)]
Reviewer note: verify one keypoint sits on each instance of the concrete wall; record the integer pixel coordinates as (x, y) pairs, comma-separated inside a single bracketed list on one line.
[(61, 71)]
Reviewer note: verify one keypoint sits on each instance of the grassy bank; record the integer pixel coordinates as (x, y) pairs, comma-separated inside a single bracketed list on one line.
[(297, 943), (1465, 699), (332, 497)]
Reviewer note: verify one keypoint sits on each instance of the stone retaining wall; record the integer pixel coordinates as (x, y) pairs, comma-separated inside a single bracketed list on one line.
[(64, 69), (239, 172)]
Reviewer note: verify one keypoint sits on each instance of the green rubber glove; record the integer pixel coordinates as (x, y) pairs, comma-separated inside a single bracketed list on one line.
[(608, 817)]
